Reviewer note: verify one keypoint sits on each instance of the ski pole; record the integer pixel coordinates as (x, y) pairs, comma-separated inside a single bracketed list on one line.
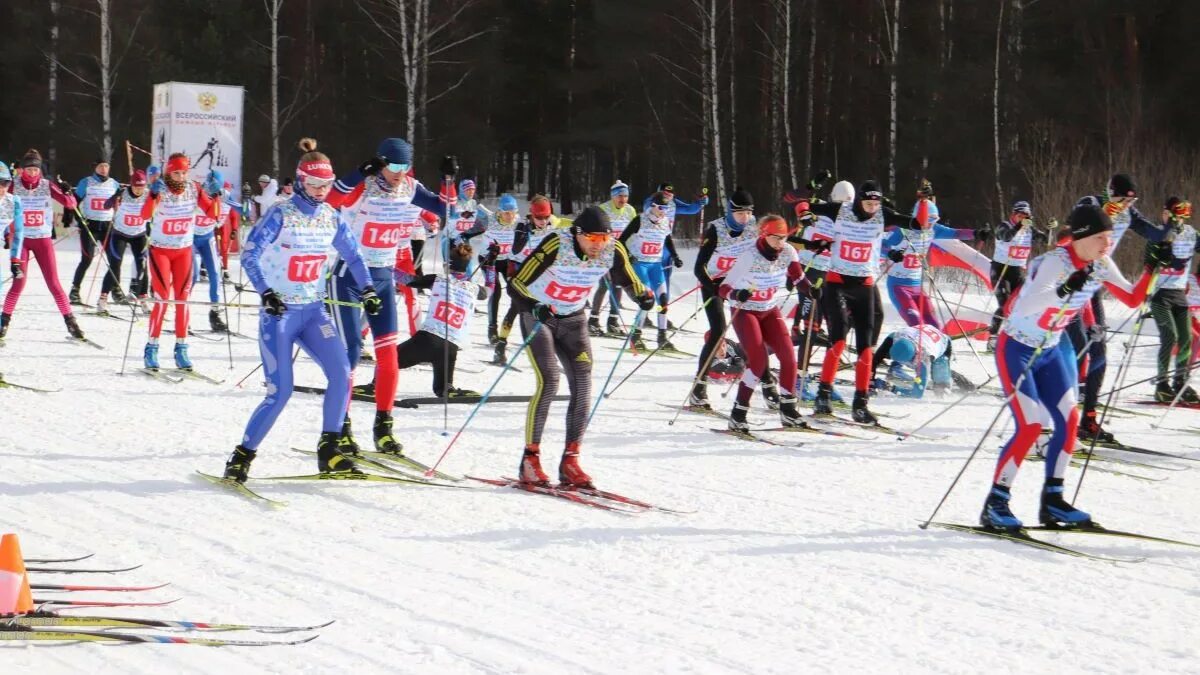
[(904, 435), (483, 399), (616, 361), (703, 372), (969, 341), (694, 289), (128, 337), (643, 362), (1008, 399)]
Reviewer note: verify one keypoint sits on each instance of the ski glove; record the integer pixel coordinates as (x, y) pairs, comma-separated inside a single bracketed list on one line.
[(1096, 333), (272, 303), (1075, 282), (17, 270), (646, 301), (371, 302), (541, 313), (896, 255), (372, 166), (449, 166), (742, 294), (420, 281), (676, 261)]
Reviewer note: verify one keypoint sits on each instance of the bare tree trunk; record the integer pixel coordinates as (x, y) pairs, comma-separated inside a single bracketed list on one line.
[(273, 10), (1015, 47), (996, 107), (809, 93), (422, 27), (105, 80), (787, 91), (711, 83), (893, 28), (776, 116), (565, 187), (732, 99), (51, 147)]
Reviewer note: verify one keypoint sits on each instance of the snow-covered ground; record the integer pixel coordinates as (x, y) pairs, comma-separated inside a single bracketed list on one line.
[(794, 560)]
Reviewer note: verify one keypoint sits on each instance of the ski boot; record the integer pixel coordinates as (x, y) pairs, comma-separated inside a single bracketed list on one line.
[(150, 357), (73, 327), (663, 343), (789, 416), (991, 343), (1043, 442), (118, 296), (367, 389), (455, 392), (225, 275), (215, 322), (346, 444), (1090, 428), (102, 305), (331, 455), (859, 410), (635, 340), (1164, 392), (1189, 395), (699, 397), (530, 470), (1056, 511), (500, 355), (238, 466), (5, 319), (73, 296), (203, 275), (996, 514), (821, 339), (182, 362), (802, 387), (594, 328), (613, 327), (570, 475), (737, 418), (770, 392), (822, 404), (384, 441), (493, 336)]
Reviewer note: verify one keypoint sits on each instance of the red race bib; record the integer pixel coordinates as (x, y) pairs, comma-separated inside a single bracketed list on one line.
[(651, 248), (305, 268), (762, 295), (567, 293), (176, 226), (451, 315), (1047, 320), (855, 251), (381, 235), (134, 221), (35, 218), (912, 261), (725, 264), (97, 203), (1018, 252)]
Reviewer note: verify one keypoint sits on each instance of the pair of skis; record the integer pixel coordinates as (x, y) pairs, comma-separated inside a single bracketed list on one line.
[(599, 499), (178, 375), (52, 627), (1024, 537)]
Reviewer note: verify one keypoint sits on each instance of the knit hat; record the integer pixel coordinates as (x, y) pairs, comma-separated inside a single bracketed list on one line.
[(138, 179), (264, 178), (1121, 185), (5, 174), (1088, 200), (741, 200), (32, 158), (508, 202), (870, 190), (842, 191), (619, 188), (593, 220), (1022, 207), (772, 224), (98, 162), (1085, 221), (903, 350), (540, 207), (395, 151), (465, 184)]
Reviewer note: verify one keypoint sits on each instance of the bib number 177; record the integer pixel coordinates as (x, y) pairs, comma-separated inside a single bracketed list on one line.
[(305, 268)]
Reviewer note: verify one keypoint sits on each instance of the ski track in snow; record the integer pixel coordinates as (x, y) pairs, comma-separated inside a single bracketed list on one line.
[(796, 559)]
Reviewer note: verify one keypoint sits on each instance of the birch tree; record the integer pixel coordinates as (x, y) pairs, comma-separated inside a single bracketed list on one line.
[(891, 23), (996, 106), (52, 85)]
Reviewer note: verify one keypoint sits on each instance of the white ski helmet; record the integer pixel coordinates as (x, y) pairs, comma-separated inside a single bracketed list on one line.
[(842, 191)]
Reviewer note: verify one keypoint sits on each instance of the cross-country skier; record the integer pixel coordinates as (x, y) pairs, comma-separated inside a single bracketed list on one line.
[(379, 206), (36, 192), (646, 237), (907, 251), (1015, 238), (284, 257), (620, 214), (204, 246), (95, 194), (451, 306), (466, 214), (529, 235), (12, 223), (755, 286), (173, 206), (675, 207), (922, 350), (723, 242), (849, 297), (495, 246), (1037, 367), (553, 287), (128, 231), (1169, 304)]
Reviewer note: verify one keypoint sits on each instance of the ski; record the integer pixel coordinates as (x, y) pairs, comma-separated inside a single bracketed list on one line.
[(550, 491), (240, 488), (1141, 451), (371, 463), (5, 384), (112, 589), (85, 341), (44, 561), (408, 462), (614, 497), (500, 364), (76, 604), (815, 430), (352, 478), (707, 412), (875, 426), (669, 353), (191, 374), (47, 619), (30, 635), (436, 400), (747, 436), (1180, 404), (78, 571), (109, 315), (1023, 537), (206, 338), (160, 375), (1095, 528), (1102, 469)]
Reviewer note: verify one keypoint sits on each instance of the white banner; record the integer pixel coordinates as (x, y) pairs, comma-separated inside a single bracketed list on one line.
[(204, 121)]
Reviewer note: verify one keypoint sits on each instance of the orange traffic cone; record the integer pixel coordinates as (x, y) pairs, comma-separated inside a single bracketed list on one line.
[(15, 596)]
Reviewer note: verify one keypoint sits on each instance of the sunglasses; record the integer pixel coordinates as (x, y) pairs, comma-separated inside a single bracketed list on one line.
[(311, 183), (872, 196), (597, 237), (397, 168)]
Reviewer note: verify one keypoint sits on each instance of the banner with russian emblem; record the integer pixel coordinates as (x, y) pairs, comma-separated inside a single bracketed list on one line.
[(204, 121)]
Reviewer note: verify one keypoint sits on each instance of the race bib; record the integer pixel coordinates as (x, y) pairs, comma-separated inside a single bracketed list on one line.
[(651, 248), (855, 251), (404, 231), (463, 225), (97, 203), (451, 315), (912, 261), (35, 218), (762, 295), (1018, 252), (725, 264), (1047, 321), (567, 294), (305, 268), (132, 220), (381, 235), (176, 226)]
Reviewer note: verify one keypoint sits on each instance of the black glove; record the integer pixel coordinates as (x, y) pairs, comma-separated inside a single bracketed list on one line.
[(819, 179), (17, 270), (676, 261), (371, 302), (372, 166), (1041, 236), (741, 294), (984, 234), (449, 166), (819, 245), (272, 303), (466, 214), (815, 291), (896, 255), (1159, 254), (63, 185), (1075, 282), (423, 281), (541, 313)]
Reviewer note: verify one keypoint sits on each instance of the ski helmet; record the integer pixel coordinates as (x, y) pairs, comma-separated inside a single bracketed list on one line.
[(903, 350), (842, 191)]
